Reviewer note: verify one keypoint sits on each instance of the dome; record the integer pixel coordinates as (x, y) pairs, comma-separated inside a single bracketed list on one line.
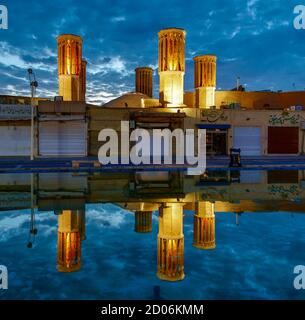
[(128, 100)]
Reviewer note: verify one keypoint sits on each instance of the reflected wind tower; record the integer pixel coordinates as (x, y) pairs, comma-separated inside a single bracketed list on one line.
[(143, 221), (71, 230), (204, 225), (171, 242)]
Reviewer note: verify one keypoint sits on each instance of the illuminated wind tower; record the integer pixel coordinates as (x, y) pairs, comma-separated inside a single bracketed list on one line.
[(204, 225), (70, 66), (205, 81), (143, 221), (171, 242), (171, 66), (71, 230), (83, 81), (144, 80)]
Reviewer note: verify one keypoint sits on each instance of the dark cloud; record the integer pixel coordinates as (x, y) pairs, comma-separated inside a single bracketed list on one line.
[(253, 39)]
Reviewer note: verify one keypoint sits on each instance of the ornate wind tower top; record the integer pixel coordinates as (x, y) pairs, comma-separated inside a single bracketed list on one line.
[(171, 66), (71, 71), (205, 80), (205, 71), (172, 49), (69, 54), (143, 82)]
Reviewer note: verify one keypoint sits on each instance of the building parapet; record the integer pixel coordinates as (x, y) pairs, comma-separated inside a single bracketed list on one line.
[(59, 107), (15, 112)]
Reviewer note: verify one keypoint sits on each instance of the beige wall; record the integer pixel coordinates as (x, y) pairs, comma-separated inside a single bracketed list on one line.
[(255, 118), (101, 118), (253, 99)]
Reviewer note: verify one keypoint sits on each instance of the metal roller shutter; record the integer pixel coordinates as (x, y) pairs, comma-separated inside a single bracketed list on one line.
[(62, 138), (248, 139), (15, 140)]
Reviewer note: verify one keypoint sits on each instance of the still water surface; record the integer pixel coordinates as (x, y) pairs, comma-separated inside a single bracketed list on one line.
[(253, 254)]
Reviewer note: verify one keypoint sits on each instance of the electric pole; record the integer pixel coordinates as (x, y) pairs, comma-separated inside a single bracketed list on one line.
[(33, 85)]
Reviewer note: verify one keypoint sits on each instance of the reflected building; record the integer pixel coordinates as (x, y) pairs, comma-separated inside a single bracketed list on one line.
[(143, 193), (204, 225), (171, 242), (71, 231), (143, 221)]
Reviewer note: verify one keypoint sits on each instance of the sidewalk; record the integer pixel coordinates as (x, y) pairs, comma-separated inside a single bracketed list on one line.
[(24, 164)]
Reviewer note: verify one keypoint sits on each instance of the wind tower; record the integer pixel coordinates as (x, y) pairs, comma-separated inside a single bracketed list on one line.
[(83, 81), (70, 67), (171, 66), (144, 80), (205, 81)]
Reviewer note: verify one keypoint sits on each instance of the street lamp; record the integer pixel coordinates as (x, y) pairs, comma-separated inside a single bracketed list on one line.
[(33, 85)]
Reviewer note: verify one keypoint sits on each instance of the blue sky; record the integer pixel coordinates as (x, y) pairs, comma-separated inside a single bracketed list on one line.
[(253, 39)]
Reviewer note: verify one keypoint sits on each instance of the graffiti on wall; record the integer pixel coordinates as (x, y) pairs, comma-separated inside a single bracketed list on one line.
[(285, 118), (285, 192), (213, 116)]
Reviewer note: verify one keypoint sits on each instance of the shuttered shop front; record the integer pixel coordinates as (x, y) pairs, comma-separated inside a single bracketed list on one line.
[(62, 138), (283, 140), (15, 139), (248, 139)]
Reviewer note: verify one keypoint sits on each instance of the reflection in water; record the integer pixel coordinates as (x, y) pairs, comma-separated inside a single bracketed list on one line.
[(170, 260), (171, 242), (143, 221), (204, 225), (71, 231), (171, 194)]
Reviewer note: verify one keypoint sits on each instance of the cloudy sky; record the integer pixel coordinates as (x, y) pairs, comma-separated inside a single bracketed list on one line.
[(253, 39)]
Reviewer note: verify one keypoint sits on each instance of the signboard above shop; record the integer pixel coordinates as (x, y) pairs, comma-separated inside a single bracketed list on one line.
[(15, 112)]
